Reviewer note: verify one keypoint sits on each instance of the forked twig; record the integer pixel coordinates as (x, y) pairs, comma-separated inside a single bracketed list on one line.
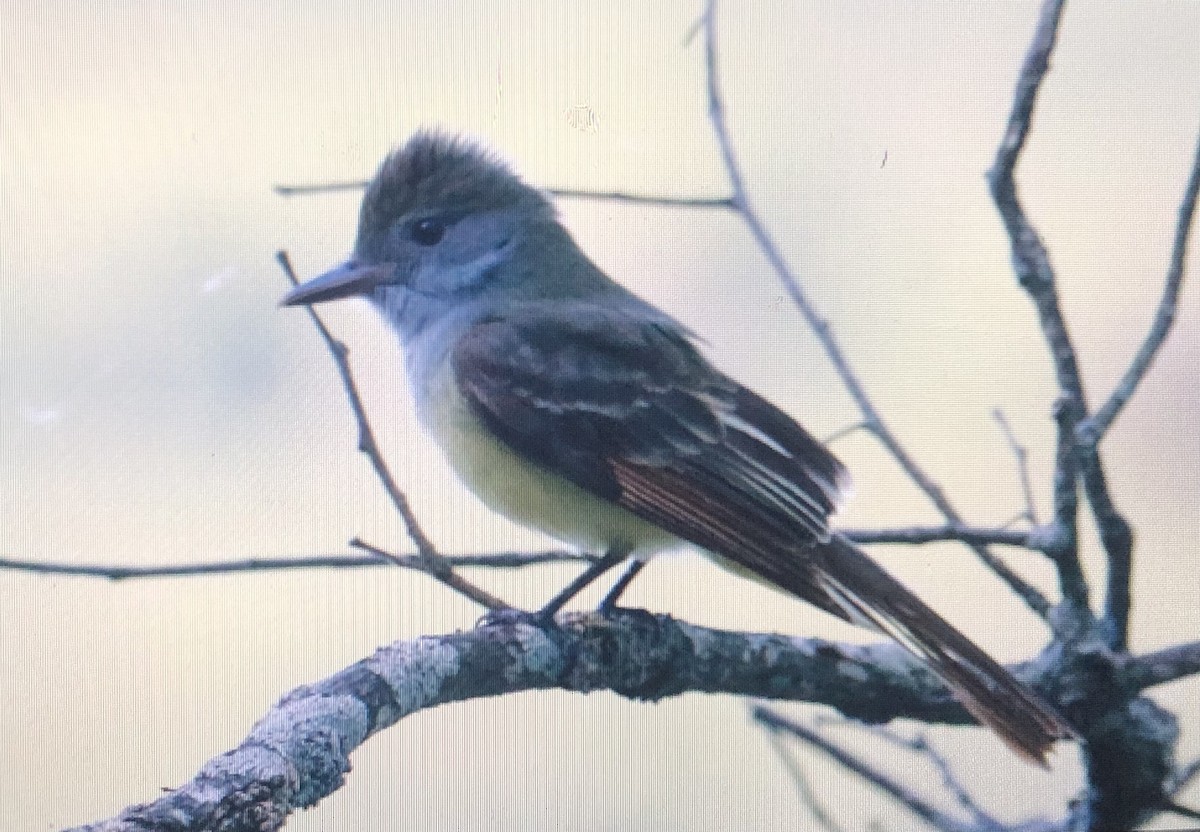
[(803, 788), (919, 745), (903, 795), (439, 569), (435, 565), (1021, 455)]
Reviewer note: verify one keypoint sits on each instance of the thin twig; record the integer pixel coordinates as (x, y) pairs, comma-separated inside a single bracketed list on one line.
[(917, 535), (842, 433), (1114, 531), (1183, 777), (1092, 430), (919, 744), (723, 203), (1021, 455), (320, 188), (439, 570), (435, 564), (366, 437), (897, 791), (807, 795), (500, 560), (820, 327)]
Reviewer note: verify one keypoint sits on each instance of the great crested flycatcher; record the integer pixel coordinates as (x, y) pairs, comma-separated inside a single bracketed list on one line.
[(571, 405)]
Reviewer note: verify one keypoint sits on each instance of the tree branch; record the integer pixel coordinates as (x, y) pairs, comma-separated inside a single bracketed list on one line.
[(1183, 777), (321, 188), (1114, 530), (435, 565), (116, 572), (1092, 430), (723, 203), (1034, 272), (1161, 666), (916, 535), (920, 746), (872, 419), (296, 754)]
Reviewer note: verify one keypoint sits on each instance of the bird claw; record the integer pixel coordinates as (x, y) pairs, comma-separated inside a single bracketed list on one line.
[(511, 617)]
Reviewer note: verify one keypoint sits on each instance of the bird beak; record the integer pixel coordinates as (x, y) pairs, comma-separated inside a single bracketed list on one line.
[(347, 280)]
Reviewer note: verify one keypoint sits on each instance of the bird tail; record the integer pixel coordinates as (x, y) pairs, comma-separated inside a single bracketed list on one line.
[(859, 590)]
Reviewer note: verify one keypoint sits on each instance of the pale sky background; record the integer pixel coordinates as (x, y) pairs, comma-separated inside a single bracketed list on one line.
[(156, 406)]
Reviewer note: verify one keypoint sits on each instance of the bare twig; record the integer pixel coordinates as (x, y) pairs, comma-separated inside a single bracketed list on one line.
[(436, 566), (438, 569), (1021, 454), (919, 744), (971, 535), (820, 327), (321, 188), (366, 437), (499, 560), (723, 203), (1074, 462), (807, 796), (1092, 430), (842, 433), (900, 793)]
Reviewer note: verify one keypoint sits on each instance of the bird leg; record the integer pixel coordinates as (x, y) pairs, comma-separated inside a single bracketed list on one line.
[(609, 602), (610, 559)]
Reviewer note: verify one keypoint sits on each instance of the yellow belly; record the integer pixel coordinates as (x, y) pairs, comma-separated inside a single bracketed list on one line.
[(525, 492)]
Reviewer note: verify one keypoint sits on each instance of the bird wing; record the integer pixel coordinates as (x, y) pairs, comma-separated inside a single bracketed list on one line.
[(627, 408)]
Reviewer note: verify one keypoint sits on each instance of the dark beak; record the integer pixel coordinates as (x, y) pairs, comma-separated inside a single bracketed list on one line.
[(344, 281)]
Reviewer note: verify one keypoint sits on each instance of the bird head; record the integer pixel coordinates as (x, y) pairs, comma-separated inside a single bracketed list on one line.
[(445, 222)]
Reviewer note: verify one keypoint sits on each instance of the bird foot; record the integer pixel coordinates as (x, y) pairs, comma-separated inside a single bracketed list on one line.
[(542, 619)]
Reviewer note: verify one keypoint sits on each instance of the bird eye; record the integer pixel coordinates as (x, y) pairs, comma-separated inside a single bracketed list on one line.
[(428, 232)]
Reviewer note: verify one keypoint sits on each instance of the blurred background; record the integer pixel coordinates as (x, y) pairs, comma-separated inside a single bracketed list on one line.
[(156, 406)]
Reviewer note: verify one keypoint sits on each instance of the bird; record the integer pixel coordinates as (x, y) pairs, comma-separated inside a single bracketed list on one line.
[(571, 405)]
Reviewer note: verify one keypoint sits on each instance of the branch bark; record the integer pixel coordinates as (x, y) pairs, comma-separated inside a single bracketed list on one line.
[(297, 753)]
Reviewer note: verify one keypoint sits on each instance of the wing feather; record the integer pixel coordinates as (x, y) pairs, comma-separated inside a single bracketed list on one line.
[(589, 394)]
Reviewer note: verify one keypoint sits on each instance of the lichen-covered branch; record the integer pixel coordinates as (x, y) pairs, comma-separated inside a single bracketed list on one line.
[(298, 752)]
